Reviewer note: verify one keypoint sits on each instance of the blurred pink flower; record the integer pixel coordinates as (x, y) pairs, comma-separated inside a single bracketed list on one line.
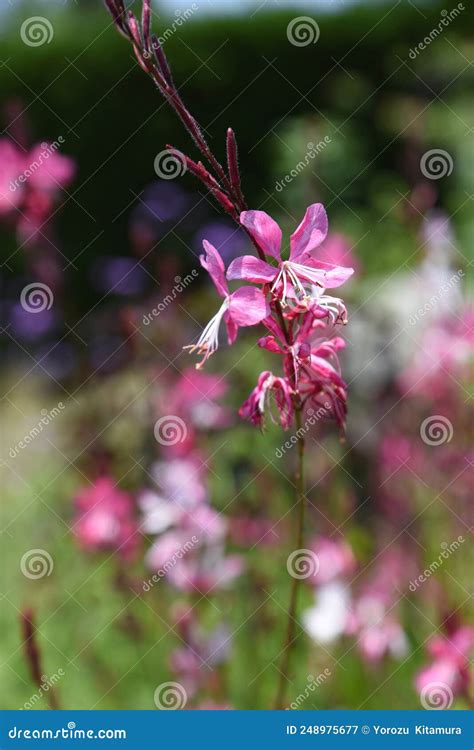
[(336, 250), (50, 171), (440, 671), (451, 661), (446, 348), (190, 553), (12, 164), (104, 518), (163, 554), (335, 560), (457, 646), (30, 182), (376, 628), (181, 480), (194, 396), (193, 662), (207, 572)]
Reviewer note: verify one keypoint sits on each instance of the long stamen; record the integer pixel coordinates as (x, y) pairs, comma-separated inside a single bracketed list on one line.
[(311, 274), (296, 282), (275, 283), (208, 341)]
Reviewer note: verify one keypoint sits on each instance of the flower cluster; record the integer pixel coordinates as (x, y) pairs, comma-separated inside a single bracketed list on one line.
[(291, 302), (30, 183), (366, 612), (189, 534), (450, 662)]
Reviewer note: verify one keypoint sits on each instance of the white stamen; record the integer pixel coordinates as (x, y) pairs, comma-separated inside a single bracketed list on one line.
[(208, 341), (288, 276), (311, 274)]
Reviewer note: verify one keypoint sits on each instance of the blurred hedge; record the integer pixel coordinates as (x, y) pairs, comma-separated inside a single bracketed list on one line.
[(86, 86)]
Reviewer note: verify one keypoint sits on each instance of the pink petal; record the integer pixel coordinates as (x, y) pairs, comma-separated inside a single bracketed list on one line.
[(337, 276), (214, 265), (324, 368), (324, 274), (264, 230), (251, 269), (310, 233), (232, 329), (248, 306)]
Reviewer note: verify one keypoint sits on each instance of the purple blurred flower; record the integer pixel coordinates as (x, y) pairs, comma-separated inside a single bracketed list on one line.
[(226, 238), (119, 275), (29, 326)]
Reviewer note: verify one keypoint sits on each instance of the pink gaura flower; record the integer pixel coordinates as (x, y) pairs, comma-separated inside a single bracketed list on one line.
[(212, 570), (246, 306), (181, 480), (451, 662), (254, 407), (105, 518), (456, 646), (54, 171), (12, 164), (195, 397), (377, 629), (335, 560), (442, 671), (311, 363), (292, 277)]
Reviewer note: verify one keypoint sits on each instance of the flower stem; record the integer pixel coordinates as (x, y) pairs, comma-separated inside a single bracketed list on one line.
[(291, 623)]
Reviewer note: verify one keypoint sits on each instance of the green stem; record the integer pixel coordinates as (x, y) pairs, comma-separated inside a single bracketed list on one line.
[(291, 624)]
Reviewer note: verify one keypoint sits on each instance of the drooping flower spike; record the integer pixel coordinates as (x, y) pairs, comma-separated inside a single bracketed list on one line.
[(256, 404), (292, 278), (246, 306)]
